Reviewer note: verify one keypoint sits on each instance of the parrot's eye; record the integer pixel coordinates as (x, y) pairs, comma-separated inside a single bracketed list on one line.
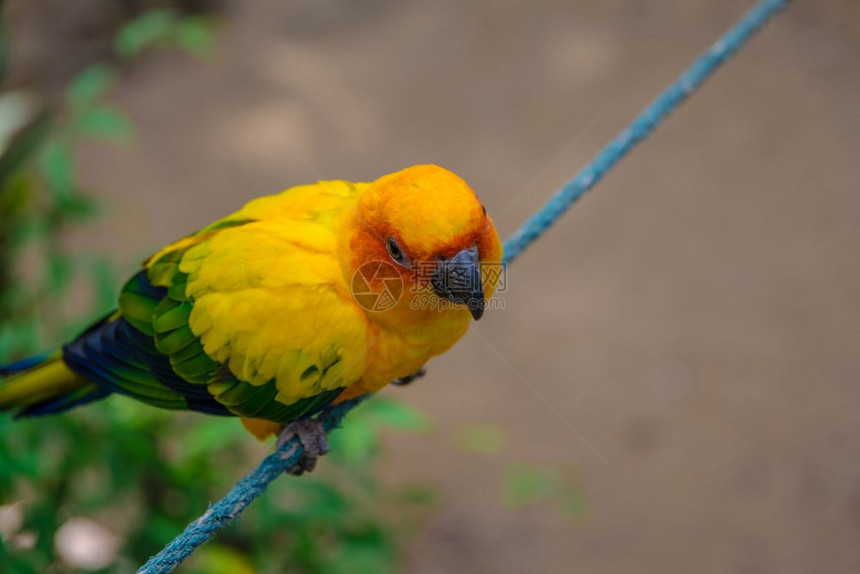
[(396, 253)]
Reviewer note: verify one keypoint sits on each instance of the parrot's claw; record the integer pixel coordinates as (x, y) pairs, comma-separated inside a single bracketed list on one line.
[(409, 378), (311, 434)]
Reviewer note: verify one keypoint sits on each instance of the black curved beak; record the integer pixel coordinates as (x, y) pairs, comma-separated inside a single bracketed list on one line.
[(459, 280)]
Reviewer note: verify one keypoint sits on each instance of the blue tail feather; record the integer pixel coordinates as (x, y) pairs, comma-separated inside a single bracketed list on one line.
[(56, 404), (23, 365), (64, 403)]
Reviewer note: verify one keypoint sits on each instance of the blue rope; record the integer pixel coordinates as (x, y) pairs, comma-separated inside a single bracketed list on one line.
[(240, 496), (254, 484), (642, 126)]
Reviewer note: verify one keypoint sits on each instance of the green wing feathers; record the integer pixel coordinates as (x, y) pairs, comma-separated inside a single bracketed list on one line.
[(243, 318), (160, 305)]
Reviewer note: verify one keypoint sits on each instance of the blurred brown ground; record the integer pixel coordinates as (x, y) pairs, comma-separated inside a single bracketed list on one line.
[(696, 317)]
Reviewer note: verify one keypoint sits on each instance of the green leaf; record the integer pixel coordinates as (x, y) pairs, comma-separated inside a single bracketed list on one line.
[(207, 434), (26, 335), (161, 529), (141, 33), (526, 484), (60, 271), (78, 207), (364, 551), (105, 121), (481, 438), (90, 84), (322, 501), (27, 228), (196, 36), (58, 169), (355, 443), (396, 415)]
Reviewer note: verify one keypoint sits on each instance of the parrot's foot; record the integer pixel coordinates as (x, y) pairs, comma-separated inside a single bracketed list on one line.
[(409, 378), (313, 438)]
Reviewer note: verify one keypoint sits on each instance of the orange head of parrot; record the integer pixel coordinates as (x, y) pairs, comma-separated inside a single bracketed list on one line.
[(427, 228)]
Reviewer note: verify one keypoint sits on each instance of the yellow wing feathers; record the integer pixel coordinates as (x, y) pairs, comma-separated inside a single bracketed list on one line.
[(270, 298)]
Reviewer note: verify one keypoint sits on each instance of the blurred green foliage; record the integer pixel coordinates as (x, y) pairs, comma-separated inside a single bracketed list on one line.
[(164, 28), (141, 474), (145, 473), (526, 484), (481, 438), (523, 483)]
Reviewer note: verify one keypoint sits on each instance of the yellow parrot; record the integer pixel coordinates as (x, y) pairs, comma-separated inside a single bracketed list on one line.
[(297, 301)]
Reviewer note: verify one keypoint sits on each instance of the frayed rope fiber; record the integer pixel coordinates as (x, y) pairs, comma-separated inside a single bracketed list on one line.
[(254, 484)]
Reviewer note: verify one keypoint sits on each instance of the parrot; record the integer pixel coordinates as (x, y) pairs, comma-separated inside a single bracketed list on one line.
[(298, 301)]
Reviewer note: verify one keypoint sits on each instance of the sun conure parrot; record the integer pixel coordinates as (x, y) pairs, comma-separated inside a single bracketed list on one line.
[(299, 300)]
